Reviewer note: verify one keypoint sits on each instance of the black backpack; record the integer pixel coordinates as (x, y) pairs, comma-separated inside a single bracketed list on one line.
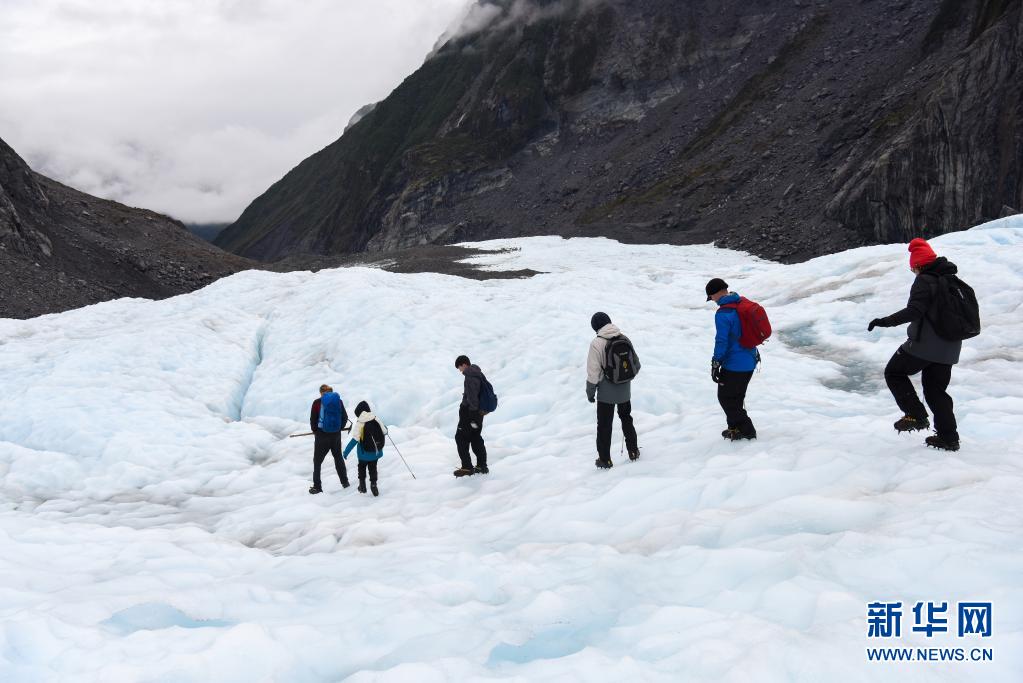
[(620, 362), (372, 437), (487, 397), (954, 311)]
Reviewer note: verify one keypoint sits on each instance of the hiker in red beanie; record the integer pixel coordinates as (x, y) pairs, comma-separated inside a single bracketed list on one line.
[(920, 254), (942, 312)]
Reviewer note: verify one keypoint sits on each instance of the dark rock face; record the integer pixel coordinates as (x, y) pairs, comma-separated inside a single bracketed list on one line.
[(19, 189), (788, 128), (61, 249), (957, 156)]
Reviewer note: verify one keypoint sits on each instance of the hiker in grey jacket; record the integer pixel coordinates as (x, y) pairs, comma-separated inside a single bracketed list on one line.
[(469, 433), (606, 394), (924, 351)]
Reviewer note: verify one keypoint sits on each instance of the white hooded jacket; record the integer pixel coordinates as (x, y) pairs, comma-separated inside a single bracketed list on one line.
[(596, 384)]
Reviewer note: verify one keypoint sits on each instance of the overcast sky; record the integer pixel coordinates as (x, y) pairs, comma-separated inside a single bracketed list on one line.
[(195, 107)]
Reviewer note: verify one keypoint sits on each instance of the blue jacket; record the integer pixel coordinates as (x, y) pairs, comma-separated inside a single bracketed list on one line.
[(727, 349), (364, 455), (360, 453)]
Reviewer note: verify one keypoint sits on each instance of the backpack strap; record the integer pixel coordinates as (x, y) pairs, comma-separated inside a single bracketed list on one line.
[(607, 347)]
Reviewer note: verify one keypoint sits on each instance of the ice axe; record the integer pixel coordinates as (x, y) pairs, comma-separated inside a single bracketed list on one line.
[(346, 429)]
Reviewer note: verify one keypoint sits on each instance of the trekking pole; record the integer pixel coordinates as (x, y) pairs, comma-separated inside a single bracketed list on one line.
[(303, 434), (401, 456)]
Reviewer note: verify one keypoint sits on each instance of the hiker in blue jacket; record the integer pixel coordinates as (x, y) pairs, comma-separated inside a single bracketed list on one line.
[(732, 365), (368, 441)]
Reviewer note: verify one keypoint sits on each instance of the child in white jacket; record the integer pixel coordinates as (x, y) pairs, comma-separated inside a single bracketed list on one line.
[(368, 441)]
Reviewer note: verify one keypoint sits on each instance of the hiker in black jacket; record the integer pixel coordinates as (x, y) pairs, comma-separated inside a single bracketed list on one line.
[(924, 351), (470, 421), (326, 441)]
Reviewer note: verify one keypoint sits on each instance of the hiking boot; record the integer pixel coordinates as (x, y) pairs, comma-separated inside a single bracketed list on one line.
[(634, 454), (465, 472), (738, 435), (604, 464), (374, 489), (315, 489), (481, 469), (345, 484), (942, 444), (362, 487), (911, 424)]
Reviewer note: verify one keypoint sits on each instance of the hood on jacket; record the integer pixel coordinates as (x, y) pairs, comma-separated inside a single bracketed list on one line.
[(939, 266), (473, 371), (366, 416), (730, 298), (609, 331)]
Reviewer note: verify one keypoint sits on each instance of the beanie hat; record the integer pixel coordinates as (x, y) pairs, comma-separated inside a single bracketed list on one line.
[(715, 286), (920, 253), (598, 320), (363, 407)]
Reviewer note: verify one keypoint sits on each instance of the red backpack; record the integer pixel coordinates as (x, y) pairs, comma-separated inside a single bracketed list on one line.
[(756, 328)]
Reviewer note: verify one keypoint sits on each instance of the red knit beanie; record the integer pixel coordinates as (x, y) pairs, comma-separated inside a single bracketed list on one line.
[(920, 253)]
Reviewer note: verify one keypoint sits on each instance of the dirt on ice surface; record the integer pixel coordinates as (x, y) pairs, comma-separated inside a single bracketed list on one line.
[(155, 524)]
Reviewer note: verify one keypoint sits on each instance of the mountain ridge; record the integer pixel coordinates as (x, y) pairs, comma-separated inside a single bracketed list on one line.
[(62, 249), (786, 129)]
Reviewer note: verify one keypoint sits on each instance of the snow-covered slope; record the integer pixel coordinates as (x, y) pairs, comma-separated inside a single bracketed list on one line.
[(155, 525)]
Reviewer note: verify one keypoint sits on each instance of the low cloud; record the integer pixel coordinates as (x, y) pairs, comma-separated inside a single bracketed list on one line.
[(493, 15), (195, 107)]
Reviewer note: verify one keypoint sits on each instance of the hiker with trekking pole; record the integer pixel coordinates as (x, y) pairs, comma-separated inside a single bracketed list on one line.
[(611, 365), (327, 419), (368, 440)]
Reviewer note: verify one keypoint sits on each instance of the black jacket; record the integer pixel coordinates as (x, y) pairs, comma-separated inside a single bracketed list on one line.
[(471, 389), (314, 416), (924, 342)]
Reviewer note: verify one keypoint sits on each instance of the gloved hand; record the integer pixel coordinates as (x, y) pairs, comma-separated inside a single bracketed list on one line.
[(715, 371), (592, 399), (873, 323)]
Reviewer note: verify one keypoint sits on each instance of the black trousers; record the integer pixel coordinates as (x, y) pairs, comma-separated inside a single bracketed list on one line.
[(732, 397), (370, 465), (467, 436), (936, 377), (605, 427), (328, 442)]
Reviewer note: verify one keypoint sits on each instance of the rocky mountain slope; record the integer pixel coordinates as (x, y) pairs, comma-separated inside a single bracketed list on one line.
[(61, 249), (785, 127)]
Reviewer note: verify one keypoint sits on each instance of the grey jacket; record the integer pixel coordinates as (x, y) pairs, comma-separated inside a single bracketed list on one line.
[(597, 386), (471, 388), (924, 342)]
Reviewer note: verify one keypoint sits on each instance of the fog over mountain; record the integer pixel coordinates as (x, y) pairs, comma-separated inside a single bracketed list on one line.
[(192, 108)]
